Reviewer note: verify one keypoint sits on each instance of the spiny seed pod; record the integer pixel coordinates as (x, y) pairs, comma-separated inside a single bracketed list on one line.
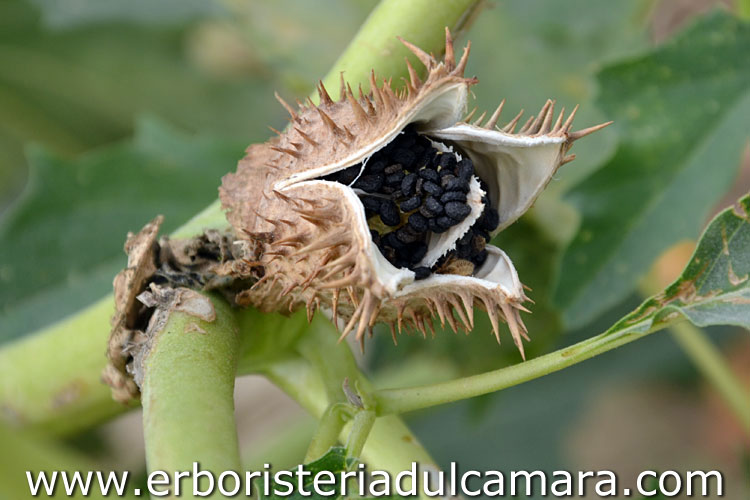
[(379, 207)]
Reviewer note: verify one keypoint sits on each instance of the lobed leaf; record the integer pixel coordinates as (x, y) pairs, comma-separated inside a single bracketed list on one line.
[(714, 288)]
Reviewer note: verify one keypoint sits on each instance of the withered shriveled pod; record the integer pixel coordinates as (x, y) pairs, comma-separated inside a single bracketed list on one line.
[(378, 207)]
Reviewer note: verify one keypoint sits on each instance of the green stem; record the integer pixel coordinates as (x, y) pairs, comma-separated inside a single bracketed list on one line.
[(743, 9), (397, 401), (710, 362), (360, 430), (327, 434), (390, 444), (187, 393), (375, 46)]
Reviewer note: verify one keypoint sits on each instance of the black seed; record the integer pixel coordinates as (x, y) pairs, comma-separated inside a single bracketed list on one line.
[(418, 251), (491, 219), (433, 205), (429, 175), (479, 258), (407, 235), (394, 179), (445, 222), (411, 203), (393, 169), (421, 273), (408, 184), (371, 203), (418, 222), (370, 182), (447, 161), (446, 171), (435, 227), (453, 196), (405, 157), (432, 188), (388, 252), (391, 240), (477, 244), (465, 169), (388, 189), (457, 210), (389, 213), (375, 167), (375, 236), (426, 212), (348, 175), (457, 184), (447, 179)]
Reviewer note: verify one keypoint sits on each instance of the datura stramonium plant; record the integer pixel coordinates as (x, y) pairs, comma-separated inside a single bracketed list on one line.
[(379, 207), (376, 207)]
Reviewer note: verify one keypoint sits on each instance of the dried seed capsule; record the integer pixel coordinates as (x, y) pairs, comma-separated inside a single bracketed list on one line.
[(429, 175), (457, 211), (421, 273), (453, 196), (408, 184), (433, 205), (432, 188), (418, 222), (411, 203), (370, 183), (389, 213)]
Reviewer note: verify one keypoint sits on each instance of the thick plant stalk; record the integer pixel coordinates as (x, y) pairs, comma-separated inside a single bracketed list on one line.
[(188, 391), (375, 47), (50, 381)]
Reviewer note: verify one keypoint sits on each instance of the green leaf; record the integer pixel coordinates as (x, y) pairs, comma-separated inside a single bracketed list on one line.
[(62, 244), (714, 288), (683, 114), (334, 461)]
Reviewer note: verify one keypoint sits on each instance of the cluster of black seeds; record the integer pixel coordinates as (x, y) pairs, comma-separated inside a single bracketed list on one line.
[(409, 189)]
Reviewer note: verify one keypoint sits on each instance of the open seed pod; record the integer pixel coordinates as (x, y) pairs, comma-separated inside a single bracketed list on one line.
[(379, 207)]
